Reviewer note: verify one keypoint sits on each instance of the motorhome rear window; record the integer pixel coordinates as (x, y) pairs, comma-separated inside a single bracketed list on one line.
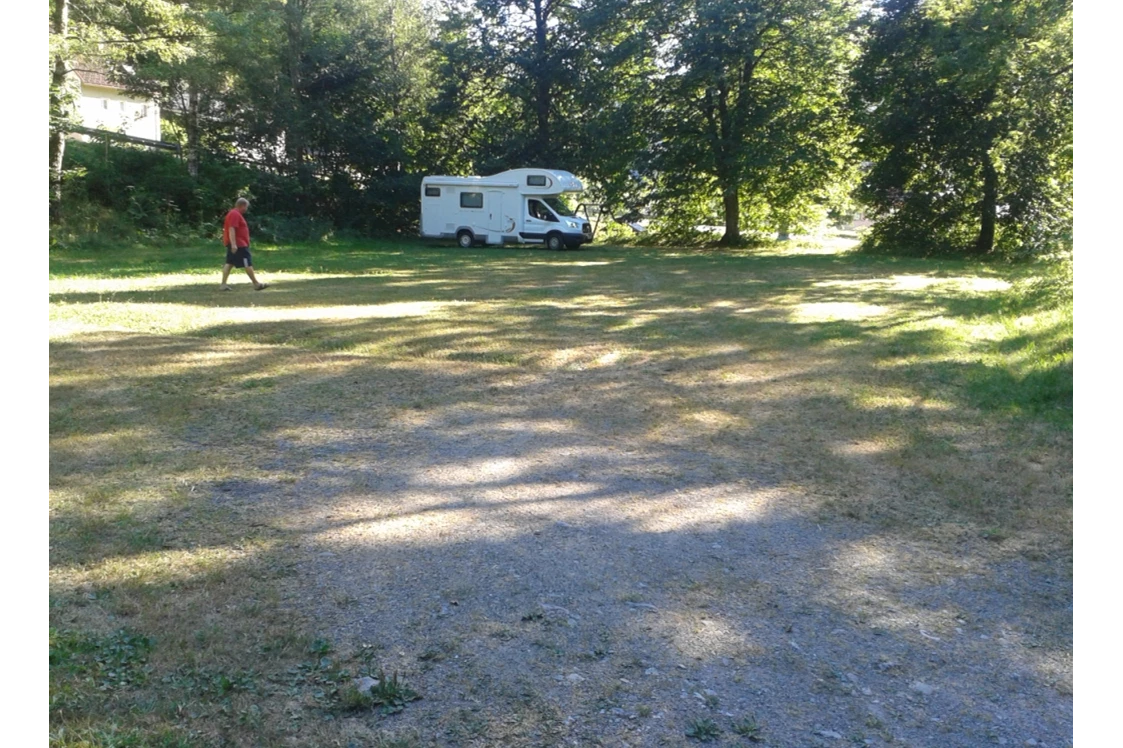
[(536, 180), (432, 191), (471, 199)]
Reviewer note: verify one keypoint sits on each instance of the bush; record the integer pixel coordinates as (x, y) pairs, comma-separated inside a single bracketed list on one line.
[(125, 193), (152, 188), (86, 225), (281, 229)]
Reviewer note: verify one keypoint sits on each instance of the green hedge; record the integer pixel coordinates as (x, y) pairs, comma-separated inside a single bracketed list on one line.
[(123, 193)]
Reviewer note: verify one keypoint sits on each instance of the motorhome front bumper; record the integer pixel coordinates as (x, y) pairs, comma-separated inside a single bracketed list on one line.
[(577, 238)]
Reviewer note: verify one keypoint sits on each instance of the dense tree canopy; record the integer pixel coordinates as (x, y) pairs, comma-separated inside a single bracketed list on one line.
[(753, 102), (966, 114), (957, 114)]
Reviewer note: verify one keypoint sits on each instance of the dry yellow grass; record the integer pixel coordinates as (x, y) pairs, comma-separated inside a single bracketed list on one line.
[(239, 476)]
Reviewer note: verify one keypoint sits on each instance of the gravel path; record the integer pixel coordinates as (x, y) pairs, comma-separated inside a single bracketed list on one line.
[(550, 563)]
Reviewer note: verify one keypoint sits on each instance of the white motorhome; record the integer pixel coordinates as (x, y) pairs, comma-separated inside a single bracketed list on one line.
[(516, 206)]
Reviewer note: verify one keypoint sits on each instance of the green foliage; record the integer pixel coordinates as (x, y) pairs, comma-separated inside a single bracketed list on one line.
[(320, 647), (749, 728), (122, 194), (754, 110), (703, 730), (285, 229), (110, 662), (966, 109), (152, 188), (352, 699), (87, 225), (389, 695), (327, 113), (1029, 370)]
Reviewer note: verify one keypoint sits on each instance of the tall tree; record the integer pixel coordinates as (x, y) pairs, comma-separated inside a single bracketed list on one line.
[(967, 114), (513, 77), (753, 102), (104, 34), (188, 85), (326, 88), (59, 102)]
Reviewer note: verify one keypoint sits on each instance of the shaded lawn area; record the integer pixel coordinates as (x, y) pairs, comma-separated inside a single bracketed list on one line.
[(207, 446)]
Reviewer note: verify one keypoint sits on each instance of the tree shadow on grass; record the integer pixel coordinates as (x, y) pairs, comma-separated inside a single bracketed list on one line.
[(489, 546), (744, 510)]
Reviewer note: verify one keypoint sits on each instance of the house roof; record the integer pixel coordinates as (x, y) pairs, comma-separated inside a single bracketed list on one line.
[(93, 75)]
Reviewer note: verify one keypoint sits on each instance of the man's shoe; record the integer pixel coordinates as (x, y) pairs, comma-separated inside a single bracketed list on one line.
[(224, 287), (261, 286)]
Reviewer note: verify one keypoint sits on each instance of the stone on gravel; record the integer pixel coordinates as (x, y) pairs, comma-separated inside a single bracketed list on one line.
[(923, 688), (574, 678), (365, 683), (651, 671), (829, 734)]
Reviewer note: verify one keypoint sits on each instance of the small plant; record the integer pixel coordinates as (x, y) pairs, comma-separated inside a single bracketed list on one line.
[(387, 694), (749, 728), (351, 699), (319, 647), (390, 695), (703, 730), (118, 660), (993, 534), (643, 710), (711, 700)]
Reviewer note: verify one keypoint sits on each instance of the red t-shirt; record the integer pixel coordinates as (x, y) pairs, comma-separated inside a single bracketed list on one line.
[(241, 229)]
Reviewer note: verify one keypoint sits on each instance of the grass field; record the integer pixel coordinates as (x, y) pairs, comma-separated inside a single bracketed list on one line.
[(205, 445)]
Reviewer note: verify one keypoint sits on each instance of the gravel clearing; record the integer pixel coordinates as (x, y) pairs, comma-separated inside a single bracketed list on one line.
[(547, 568)]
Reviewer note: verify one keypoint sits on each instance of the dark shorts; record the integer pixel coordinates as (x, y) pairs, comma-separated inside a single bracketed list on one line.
[(239, 259)]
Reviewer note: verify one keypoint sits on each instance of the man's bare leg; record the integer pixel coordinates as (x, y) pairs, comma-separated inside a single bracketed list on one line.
[(253, 278), (225, 276)]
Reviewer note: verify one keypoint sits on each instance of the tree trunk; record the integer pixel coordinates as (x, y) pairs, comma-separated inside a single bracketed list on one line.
[(783, 234), (988, 207), (732, 206), (192, 127), (60, 12), (542, 83), (294, 135)]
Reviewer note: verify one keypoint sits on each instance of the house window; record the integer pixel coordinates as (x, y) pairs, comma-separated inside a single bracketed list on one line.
[(536, 180), (122, 106), (144, 110), (432, 191), (471, 199)]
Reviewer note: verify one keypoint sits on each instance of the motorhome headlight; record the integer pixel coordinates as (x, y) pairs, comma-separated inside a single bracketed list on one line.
[(572, 224)]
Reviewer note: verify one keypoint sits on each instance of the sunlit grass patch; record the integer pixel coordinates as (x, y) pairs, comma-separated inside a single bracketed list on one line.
[(206, 447), (827, 311)]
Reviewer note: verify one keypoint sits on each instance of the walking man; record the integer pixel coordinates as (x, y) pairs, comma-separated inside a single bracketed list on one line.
[(236, 239)]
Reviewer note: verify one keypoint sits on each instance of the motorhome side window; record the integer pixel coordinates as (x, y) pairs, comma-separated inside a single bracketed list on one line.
[(536, 180), (432, 192), (471, 199)]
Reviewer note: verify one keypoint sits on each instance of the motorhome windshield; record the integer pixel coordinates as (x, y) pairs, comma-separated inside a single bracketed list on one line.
[(559, 206)]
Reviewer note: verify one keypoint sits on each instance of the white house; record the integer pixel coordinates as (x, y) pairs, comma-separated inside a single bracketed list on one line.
[(105, 105)]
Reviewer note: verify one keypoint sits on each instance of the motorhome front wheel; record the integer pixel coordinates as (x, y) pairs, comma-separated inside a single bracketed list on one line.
[(465, 239)]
